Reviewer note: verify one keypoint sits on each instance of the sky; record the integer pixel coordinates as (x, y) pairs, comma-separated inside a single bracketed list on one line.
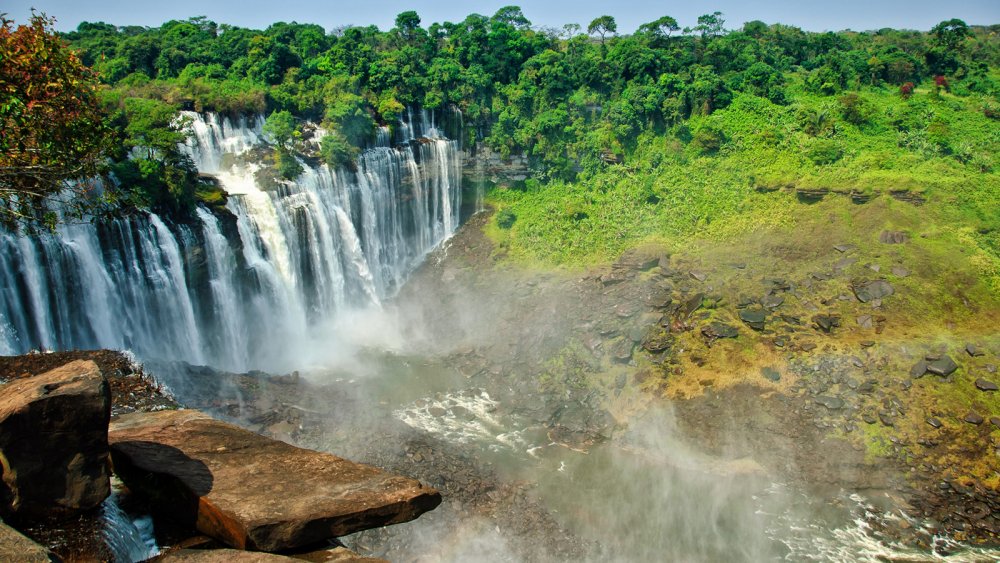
[(827, 15)]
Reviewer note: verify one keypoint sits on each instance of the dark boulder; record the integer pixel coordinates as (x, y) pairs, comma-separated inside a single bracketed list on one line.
[(754, 318), (871, 291), (985, 385), (54, 442), (943, 366)]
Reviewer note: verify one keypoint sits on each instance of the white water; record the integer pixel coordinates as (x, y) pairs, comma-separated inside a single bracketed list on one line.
[(251, 294)]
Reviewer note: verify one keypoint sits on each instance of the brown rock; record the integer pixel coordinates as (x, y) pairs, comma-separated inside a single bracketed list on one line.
[(54, 442), (252, 492), (336, 555), (16, 547), (219, 556)]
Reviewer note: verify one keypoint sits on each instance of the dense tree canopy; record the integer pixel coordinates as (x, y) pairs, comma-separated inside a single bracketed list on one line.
[(571, 100)]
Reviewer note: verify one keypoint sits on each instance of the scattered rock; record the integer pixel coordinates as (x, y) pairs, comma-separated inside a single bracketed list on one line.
[(16, 547), (843, 247), (995, 421), (772, 301), (973, 418), (692, 304), (698, 275), (716, 330), (943, 366), (54, 442), (845, 263), (832, 403), (871, 291), (886, 418), (755, 319), (657, 341), (251, 492), (918, 369), (973, 350), (934, 422), (219, 556), (893, 237), (770, 374), (867, 343), (900, 272), (865, 321), (984, 385), (826, 322), (621, 350), (807, 346)]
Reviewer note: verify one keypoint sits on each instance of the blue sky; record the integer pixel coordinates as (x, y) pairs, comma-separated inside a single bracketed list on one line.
[(807, 14)]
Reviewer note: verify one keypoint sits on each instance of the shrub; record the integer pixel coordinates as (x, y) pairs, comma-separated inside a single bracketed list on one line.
[(506, 218), (708, 139), (906, 90), (824, 151)]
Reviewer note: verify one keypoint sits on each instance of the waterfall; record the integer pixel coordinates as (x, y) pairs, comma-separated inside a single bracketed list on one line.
[(244, 288)]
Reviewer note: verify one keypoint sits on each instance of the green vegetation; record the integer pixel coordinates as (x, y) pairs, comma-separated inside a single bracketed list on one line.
[(664, 132)]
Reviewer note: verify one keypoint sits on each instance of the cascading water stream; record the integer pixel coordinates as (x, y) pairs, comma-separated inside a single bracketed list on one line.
[(245, 289)]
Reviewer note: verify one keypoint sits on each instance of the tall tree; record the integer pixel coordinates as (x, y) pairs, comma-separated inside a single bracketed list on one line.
[(52, 131), (602, 26)]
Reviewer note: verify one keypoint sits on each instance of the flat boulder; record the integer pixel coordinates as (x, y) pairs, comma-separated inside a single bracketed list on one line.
[(252, 492), (755, 319), (871, 291), (943, 366), (14, 546), (54, 442), (338, 555)]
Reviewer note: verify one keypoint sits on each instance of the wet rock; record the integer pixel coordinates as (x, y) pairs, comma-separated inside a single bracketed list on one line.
[(754, 318), (832, 403), (692, 304), (900, 272), (770, 374), (973, 418), (716, 330), (985, 385), (918, 369), (16, 547), (867, 292), (934, 422), (826, 322), (893, 237), (641, 259), (973, 350), (943, 366), (621, 350), (54, 442), (251, 492), (657, 341)]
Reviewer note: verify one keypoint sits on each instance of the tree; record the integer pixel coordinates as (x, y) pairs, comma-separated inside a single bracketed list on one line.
[(512, 16), (950, 34), (280, 126), (659, 28), (53, 132), (710, 25), (602, 26), (408, 23)]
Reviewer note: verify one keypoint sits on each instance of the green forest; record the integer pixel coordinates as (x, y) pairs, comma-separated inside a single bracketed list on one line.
[(672, 130)]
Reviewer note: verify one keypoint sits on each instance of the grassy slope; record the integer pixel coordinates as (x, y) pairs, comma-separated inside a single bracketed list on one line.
[(708, 211)]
